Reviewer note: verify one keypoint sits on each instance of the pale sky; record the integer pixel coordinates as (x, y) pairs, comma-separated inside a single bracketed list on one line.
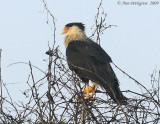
[(133, 45)]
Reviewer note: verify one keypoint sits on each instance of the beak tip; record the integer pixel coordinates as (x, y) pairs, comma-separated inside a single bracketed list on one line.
[(62, 32)]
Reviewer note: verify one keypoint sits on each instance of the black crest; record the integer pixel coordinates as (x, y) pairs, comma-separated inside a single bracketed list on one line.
[(80, 25)]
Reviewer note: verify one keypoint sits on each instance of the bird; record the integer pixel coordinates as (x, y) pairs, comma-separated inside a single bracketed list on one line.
[(90, 62)]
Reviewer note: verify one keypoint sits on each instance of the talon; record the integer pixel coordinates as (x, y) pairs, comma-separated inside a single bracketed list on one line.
[(81, 100), (86, 91), (92, 99), (89, 89)]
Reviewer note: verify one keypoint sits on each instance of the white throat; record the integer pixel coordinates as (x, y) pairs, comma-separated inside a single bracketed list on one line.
[(74, 34)]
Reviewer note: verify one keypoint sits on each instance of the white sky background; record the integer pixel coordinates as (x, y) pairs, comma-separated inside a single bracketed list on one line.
[(133, 45)]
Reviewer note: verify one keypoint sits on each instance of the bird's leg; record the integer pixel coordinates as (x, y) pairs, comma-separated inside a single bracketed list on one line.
[(92, 89), (86, 91), (89, 89)]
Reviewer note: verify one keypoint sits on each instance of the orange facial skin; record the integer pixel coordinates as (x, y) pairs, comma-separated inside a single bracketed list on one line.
[(65, 30)]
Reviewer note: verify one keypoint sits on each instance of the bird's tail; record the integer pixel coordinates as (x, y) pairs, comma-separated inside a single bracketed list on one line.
[(118, 97), (112, 88), (116, 94)]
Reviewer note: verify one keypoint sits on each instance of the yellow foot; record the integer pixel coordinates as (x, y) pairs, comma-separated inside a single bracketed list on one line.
[(89, 89)]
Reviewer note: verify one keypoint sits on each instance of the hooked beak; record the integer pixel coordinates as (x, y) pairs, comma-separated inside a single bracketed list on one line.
[(65, 30)]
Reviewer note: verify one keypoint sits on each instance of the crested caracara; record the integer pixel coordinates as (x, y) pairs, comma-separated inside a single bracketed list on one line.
[(90, 62)]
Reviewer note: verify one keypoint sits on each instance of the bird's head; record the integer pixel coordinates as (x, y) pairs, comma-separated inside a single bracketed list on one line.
[(73, 28), (74, 32)]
